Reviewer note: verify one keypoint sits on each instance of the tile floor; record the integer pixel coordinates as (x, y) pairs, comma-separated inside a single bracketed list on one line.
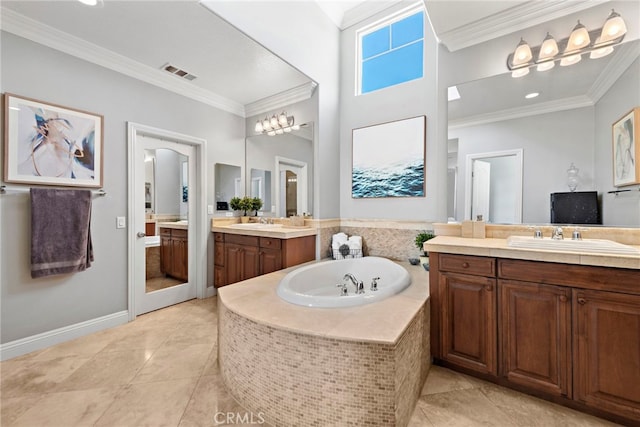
[(161, 370), (157, 283)]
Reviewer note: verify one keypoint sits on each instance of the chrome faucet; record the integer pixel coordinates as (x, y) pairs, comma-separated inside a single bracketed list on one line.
[(557, 234), (358, 284)]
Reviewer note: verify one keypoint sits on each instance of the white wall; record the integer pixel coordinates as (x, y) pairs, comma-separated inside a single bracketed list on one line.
[(29, 306), (410, 99), (623, 210), (547, 140)]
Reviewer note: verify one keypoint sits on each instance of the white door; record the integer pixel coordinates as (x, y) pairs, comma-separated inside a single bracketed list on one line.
[(174, 181), (481, 190)]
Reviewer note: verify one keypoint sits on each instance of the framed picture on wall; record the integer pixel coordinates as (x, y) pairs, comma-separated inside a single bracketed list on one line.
[(389, 159), (626, 149), (51, 145)]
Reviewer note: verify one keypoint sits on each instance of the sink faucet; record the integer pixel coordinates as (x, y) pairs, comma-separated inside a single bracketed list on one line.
[(557, 234), (358, 284)]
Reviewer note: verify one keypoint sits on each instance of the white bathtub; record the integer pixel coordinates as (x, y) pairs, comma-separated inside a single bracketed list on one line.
[(315, 285), (151, 241)]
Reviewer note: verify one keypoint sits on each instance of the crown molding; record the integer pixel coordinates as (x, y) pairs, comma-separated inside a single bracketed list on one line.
[(627, 54), (516, 113), (40, 33), (511, 20), (364, 11), (282, 99)]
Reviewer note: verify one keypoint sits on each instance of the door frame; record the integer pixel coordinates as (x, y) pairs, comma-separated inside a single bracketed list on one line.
[(517, 153), (303, 186), (200, 224)]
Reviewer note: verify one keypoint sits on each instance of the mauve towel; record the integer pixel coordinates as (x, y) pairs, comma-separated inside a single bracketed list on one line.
[(60, 231)]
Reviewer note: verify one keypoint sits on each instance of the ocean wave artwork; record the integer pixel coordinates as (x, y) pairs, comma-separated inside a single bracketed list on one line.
[(389, 159), (405, 180)]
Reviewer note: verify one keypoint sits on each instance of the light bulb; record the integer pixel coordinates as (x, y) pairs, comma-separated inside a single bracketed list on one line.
[(549, 48), (282, 119), (519, 72), (601, 52), (259, 127), (522, 54), (274, 121), (544, 66), (613, 28), (578, 39), (266, 125)]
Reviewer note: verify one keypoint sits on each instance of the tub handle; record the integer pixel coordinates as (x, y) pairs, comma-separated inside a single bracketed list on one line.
[(343, 291), (374, 283)]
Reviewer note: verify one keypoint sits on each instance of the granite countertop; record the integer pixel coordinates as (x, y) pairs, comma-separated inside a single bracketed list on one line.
[(380, 322), (497, 247), (276, 232)]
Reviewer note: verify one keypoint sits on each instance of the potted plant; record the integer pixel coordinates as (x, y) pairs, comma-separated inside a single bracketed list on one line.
[(422, 237), (256, 204), (241, 204)]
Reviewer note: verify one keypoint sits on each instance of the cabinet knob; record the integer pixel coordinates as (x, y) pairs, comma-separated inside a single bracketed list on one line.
[(488, 288), (582, 301), (465, 265), (563, 298)]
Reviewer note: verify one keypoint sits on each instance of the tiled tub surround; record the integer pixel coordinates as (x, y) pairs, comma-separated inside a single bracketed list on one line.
[(303, 366)]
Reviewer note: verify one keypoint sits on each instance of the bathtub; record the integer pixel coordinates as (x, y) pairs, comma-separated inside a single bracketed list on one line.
[(315, 285), (151, 241)]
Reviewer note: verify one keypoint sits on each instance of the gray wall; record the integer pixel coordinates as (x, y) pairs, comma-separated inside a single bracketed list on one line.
[(168, 181), (550, 142), (410, 99), (624, 209), (33, 306)]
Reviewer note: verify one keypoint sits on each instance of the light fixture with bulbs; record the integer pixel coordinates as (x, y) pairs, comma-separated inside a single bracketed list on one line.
[(276, 125), (598, 43)]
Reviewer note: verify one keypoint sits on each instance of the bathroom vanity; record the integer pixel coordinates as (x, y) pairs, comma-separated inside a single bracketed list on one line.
[(562, 326), (243, 253), (174, 250)]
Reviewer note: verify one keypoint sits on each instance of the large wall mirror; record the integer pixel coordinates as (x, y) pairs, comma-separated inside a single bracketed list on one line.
[(569, 121), (228, 184), (280, 171)]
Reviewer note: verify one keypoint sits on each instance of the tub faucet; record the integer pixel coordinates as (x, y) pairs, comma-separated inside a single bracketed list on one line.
[(358, 284), (557, 234)]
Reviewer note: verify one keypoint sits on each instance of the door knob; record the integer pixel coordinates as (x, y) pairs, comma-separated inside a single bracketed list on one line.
[(141, 234)]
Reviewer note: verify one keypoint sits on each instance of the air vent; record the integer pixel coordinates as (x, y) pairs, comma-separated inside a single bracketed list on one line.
[(178, 72)]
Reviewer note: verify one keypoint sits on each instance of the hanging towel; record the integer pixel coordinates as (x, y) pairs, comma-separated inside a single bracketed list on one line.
[(60, 231)]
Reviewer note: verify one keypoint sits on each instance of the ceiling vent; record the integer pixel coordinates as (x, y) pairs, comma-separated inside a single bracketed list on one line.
[(178, 72)]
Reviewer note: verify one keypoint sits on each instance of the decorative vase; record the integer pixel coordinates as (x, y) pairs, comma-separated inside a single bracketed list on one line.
[(244, 219)]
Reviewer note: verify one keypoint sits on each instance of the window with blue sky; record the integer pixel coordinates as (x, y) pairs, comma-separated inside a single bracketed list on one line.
[(391, 53)]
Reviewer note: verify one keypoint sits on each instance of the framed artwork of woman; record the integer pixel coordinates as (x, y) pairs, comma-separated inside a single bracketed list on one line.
[(626, 149)]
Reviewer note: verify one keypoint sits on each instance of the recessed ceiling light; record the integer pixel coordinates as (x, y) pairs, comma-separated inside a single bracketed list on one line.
[(532, 95)]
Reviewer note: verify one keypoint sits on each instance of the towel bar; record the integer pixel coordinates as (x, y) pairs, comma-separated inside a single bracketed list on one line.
[(4, 190)]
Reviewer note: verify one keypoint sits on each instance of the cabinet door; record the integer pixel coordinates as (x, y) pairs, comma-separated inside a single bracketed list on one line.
[(233, 263), (218, 253), (180, 252), (534, 324), (166, 266), (469, 322), (607, 351), (219, 276), (250, 262), (270, 260)]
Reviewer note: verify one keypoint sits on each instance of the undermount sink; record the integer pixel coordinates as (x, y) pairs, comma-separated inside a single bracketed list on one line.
[(595, 246), (256, 225), (182, 222)]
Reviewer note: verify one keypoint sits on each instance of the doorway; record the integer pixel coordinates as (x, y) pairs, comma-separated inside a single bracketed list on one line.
[(291, 190), (167, 240)]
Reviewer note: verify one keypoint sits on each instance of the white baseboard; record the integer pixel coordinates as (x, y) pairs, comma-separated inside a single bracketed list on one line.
[(46, 339)]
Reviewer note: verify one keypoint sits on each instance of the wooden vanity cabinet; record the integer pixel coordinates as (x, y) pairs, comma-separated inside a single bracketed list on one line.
[(607, 351), (534, 322), (468, 307), (570, 333), (174, 253), (241, 257)]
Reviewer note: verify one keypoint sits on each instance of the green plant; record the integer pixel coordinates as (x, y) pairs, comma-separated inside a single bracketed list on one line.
[(241, 204), (422, 237), (256, 204)]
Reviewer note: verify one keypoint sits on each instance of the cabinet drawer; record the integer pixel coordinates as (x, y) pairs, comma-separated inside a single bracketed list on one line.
[(218, 237), (165, 232), (269, 242), (241, 240), (180, 234), (478, 266)]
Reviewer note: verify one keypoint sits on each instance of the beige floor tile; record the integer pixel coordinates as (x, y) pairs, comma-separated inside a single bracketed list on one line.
[(11, 408), (155, 404), (74, 408), (175, 362), (39, 377), (464, 408), (84, 346), (419, 419), (108, 368), (211, 367), (441, 380), (143, 337), (194, 332), (534, 412)]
